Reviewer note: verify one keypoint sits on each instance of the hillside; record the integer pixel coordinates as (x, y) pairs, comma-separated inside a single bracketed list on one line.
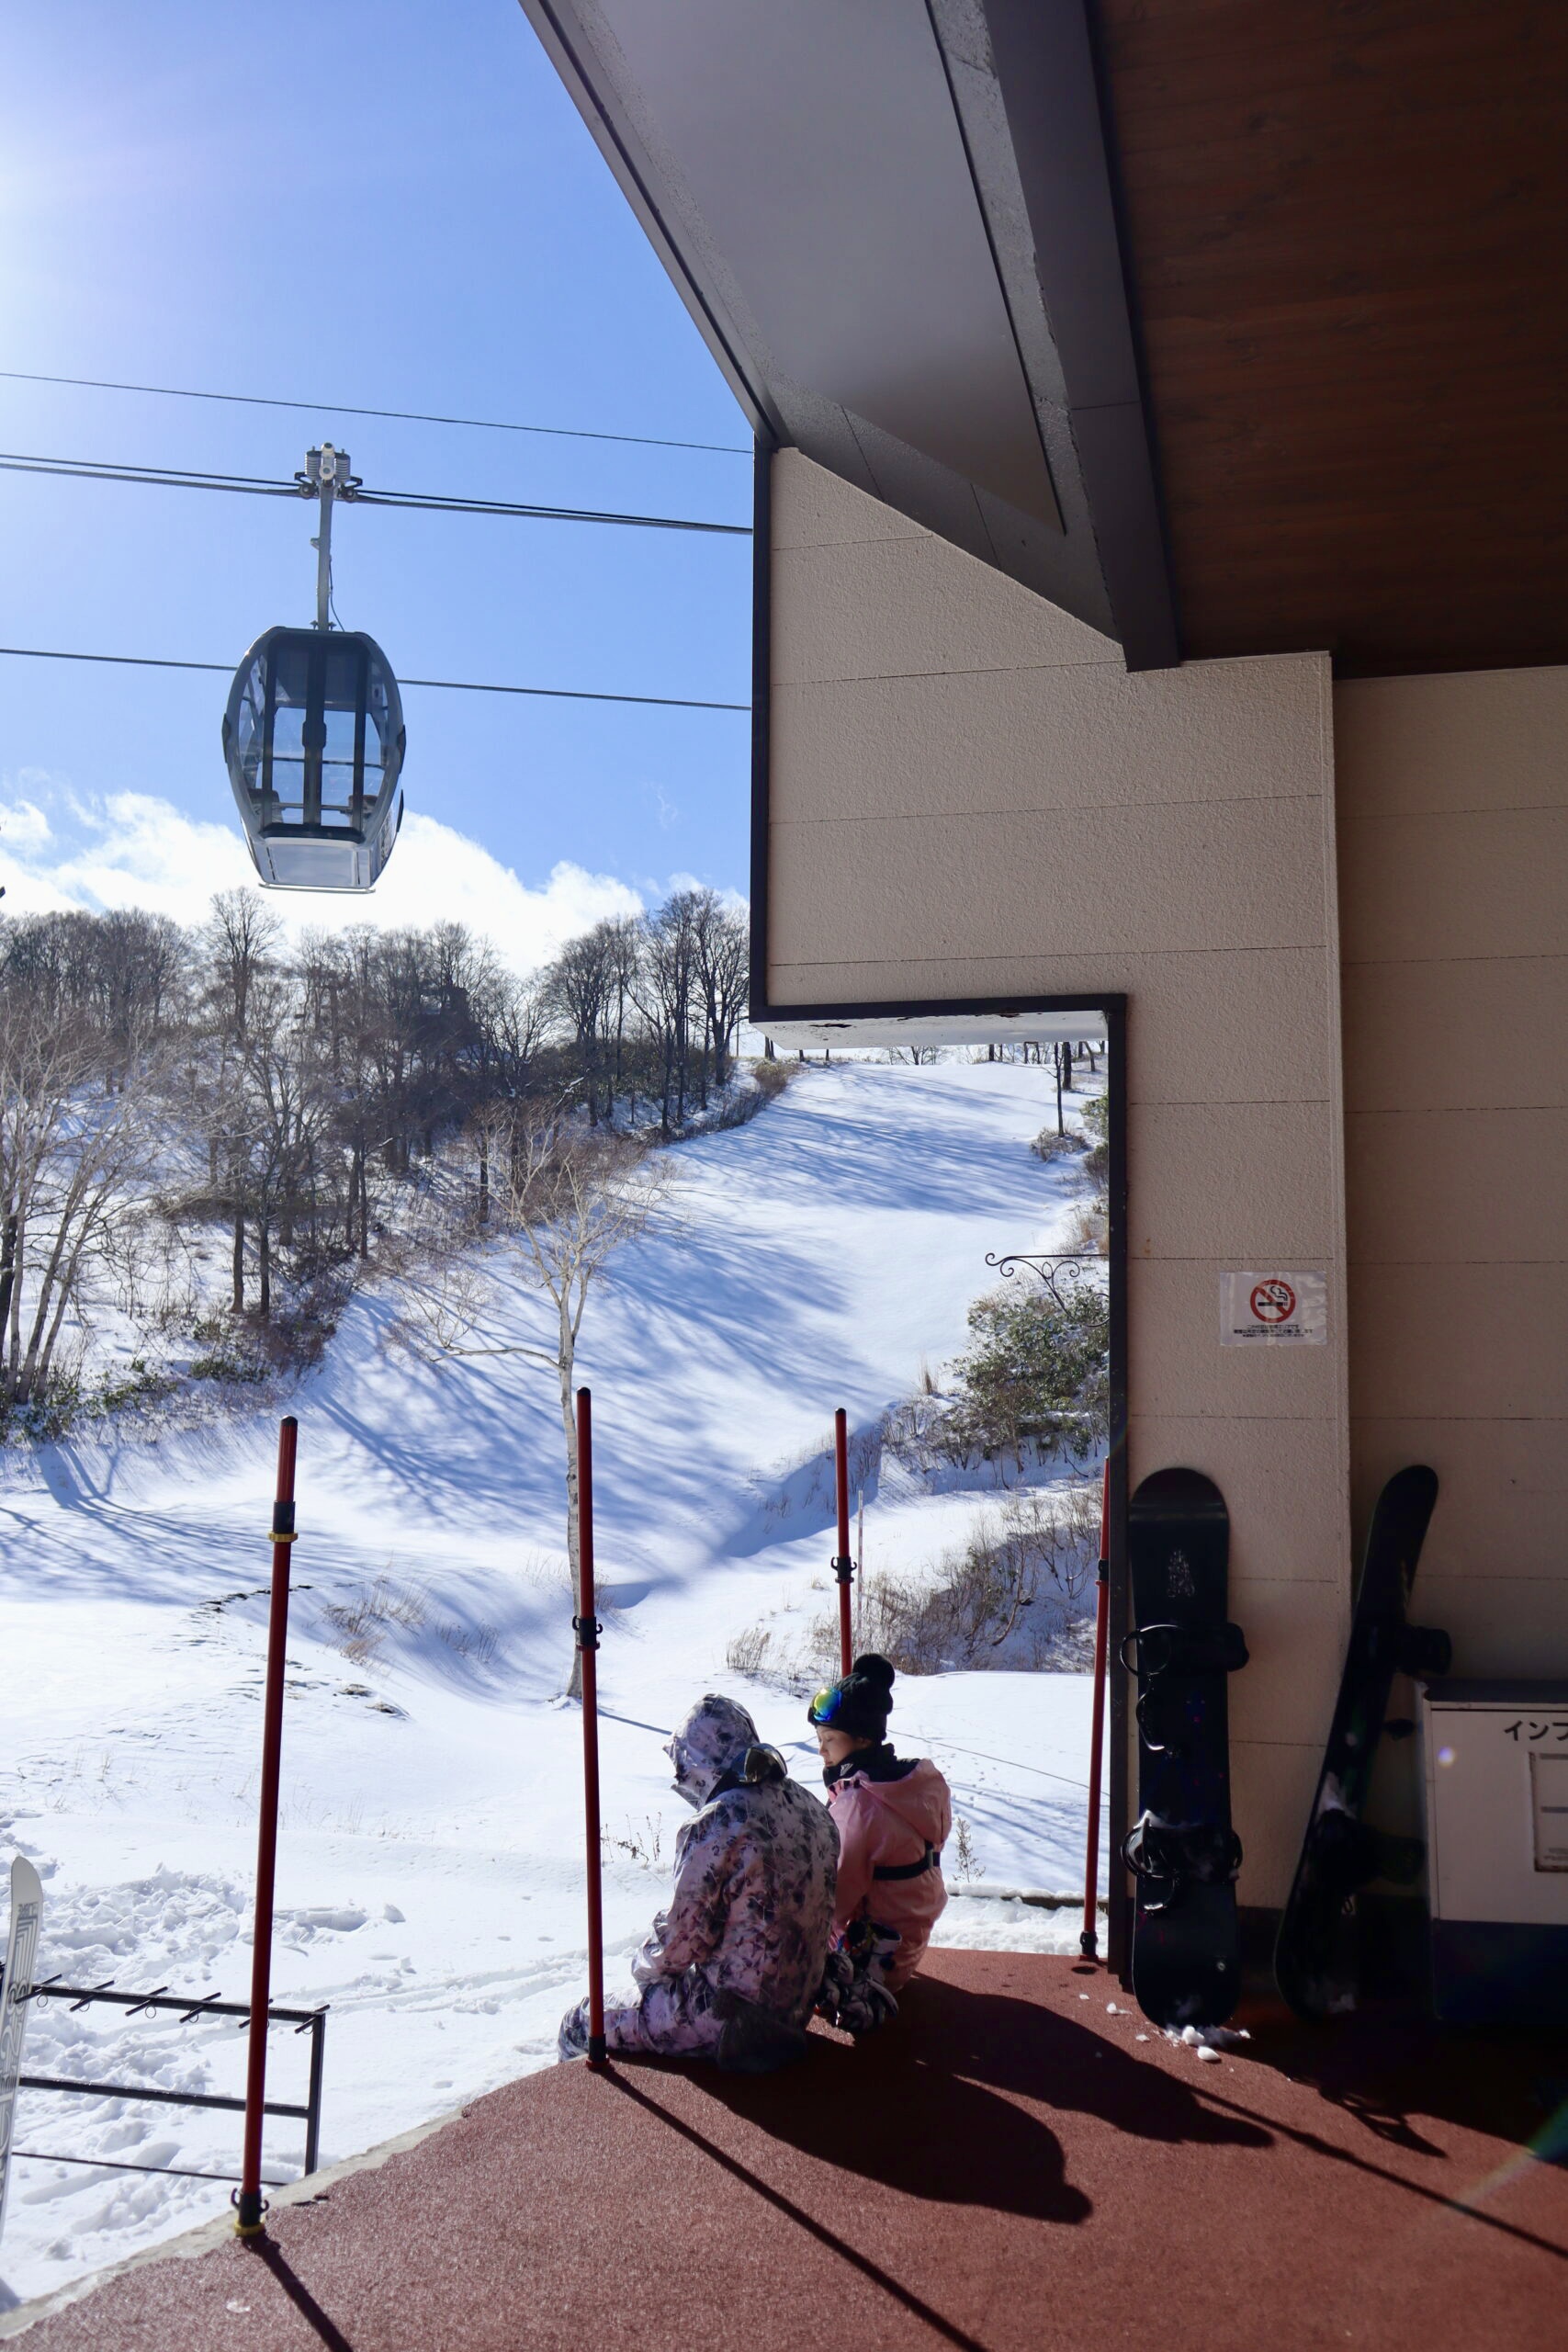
[(430, 1871)]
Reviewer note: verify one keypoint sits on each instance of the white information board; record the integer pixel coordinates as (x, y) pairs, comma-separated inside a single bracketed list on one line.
[(1273, 1309)]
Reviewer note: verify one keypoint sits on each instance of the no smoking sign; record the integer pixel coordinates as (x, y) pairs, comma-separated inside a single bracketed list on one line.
[(1273, 1309)]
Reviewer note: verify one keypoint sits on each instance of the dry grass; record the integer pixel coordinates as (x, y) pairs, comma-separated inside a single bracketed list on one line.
[(644, 1844), (1017, 1592), (967, 1865), (1049, 1144), (749, 1652), (359, 1626), (773, 1077)]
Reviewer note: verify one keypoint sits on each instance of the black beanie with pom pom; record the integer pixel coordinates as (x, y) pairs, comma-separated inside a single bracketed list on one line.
[(859, 1703)]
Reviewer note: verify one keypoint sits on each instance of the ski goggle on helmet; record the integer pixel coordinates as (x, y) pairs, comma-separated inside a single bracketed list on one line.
[(825, 1708)]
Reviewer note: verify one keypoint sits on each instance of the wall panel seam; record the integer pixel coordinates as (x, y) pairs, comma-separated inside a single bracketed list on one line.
[(1424, 816), (1422, 963), (1055, 954), (1452, 1109), (1457, 1420), (977, 670), (1050, 810)]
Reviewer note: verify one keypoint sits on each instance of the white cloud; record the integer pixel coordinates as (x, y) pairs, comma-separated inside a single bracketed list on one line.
[(134, 850), (25, 826)]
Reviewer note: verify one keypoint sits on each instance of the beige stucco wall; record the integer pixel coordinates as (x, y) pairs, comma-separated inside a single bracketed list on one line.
[(1453, 821), (970, 796)]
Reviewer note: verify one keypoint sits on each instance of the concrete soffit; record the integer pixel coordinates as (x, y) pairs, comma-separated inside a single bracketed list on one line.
[(893, 226)]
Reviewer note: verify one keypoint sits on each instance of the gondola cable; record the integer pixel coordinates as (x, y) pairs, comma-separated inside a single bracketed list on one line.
[(446, 685), (313, 733), (415, 501), (396, 415)]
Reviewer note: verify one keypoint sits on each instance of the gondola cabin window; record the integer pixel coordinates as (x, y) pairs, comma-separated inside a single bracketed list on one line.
[(314, 738)]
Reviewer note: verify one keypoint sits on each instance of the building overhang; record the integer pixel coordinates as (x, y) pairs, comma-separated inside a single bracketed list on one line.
[(893, 223)]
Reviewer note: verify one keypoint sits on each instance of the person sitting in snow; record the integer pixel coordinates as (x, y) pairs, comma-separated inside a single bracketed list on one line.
[(732, 1969), (893, 1816)]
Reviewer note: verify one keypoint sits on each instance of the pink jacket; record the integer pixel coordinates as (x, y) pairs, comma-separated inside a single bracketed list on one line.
[(892, 1823)]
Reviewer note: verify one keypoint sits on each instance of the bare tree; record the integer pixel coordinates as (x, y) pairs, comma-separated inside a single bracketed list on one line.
[(663, 988), (722, 955), (69, 1155), (568, 1199), (241, 938)]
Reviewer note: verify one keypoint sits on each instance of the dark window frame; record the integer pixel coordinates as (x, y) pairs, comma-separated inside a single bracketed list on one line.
[(1114, 1007)]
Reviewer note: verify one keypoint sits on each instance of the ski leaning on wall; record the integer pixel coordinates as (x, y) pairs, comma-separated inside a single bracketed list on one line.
[(1316, 1958), (21, 1952), (1183, 1851)]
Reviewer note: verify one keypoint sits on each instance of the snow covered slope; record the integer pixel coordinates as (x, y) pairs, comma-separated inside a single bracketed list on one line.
[(430, 1874)]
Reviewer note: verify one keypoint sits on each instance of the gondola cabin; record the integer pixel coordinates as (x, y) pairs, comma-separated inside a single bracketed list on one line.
[(313, 737)]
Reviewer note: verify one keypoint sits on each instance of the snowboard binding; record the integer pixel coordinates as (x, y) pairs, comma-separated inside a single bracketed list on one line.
[(1349, 1854), (1166, 1659), (1423, 1649), (1168, 1857), (1153, 1651)]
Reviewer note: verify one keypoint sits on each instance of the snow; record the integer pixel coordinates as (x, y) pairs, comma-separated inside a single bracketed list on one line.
[(430, 1877)]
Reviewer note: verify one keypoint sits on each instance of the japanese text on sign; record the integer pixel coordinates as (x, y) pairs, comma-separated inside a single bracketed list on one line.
[(1273, 1309)]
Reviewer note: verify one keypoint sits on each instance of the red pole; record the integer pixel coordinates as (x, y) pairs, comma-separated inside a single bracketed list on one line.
[(588, 1629), (249, 2200), (843, 1566), (1089, 1942)]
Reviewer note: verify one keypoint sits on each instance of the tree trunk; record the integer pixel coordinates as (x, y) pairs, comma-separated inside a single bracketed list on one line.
[(264, 1261), (238, 1295), (27, 1378), (7, 1268), (67, 1285), (14, 1325)]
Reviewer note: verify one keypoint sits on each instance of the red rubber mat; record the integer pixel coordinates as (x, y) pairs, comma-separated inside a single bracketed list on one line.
[(1006, 2168)]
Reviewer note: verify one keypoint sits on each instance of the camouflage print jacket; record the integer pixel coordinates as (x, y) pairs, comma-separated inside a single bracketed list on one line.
[(752, 1907)]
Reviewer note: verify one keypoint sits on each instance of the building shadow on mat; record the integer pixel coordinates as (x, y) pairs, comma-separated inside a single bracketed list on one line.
[(1393, 2069)]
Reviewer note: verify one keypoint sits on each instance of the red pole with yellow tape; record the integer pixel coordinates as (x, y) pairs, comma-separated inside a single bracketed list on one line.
[(249, 2198)]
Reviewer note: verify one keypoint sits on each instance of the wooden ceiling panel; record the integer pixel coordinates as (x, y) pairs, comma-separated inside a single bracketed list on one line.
[(1347, 229)]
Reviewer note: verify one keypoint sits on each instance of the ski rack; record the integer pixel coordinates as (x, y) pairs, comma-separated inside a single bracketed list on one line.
[(310, 2021)]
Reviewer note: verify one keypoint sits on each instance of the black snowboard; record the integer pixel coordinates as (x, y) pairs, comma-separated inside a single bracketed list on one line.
[(1315, 1956), (1182, 1850)]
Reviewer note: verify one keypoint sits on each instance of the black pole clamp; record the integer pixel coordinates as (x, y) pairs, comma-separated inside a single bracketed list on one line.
[(843, 1569), (251, 2208), (588, 1630)]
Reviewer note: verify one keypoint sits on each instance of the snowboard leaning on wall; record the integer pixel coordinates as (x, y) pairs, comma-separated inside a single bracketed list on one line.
[(1316, 1960), (1183, 1851)]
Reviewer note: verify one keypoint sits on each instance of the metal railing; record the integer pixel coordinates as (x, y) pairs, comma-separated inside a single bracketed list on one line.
[(310, 2021)]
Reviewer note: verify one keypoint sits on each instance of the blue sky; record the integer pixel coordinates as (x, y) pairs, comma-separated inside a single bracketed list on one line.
[(389, 205)]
